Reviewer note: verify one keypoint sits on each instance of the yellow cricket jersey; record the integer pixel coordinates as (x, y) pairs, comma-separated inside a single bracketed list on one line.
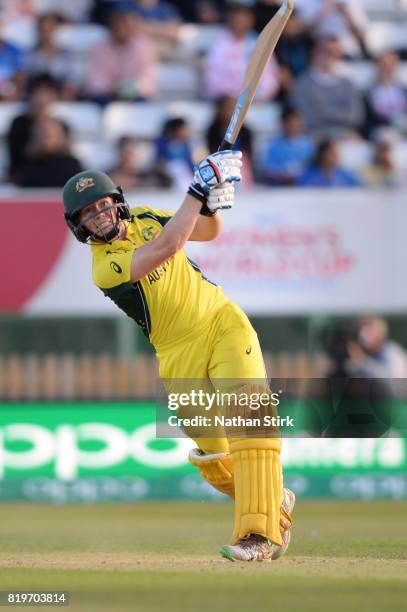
[(171, 302)]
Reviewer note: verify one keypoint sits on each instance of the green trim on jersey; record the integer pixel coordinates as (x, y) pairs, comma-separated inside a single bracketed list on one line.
[(198, 269), (148, 215), (131, 299)]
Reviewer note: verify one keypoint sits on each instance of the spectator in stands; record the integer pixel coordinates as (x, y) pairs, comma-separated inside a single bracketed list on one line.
[(383, 171), (326, 171), (18, 19), (101, 10), (128, 172), (156, 10), (372, 354), (226, 62), (200, 11), (42, 93), (49, 162), (345, 18), (174, 151), (329, 102), (11, 9), (12, 70), (125, 173), (288, 155), (160, 20), (387, 98), (294, 48), (216, 133), (208, 12), (293, 53), (124, 66), (47, 58), (265, 10)]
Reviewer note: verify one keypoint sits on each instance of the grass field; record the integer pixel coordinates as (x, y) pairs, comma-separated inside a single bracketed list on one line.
[(344, 556)]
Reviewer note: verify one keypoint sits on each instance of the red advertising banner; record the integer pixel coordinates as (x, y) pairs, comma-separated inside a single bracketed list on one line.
[(33, 238)]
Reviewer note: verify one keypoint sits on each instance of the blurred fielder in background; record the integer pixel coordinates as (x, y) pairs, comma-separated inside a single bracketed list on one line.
[(139, 263)]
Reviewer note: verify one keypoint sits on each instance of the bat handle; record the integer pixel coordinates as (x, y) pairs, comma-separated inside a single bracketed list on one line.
[(224, 145)]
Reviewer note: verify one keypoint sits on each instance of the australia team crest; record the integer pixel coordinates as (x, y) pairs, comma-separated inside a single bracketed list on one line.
[(84, 183)]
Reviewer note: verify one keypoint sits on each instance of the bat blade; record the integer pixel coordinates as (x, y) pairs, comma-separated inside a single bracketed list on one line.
[(262, 52)]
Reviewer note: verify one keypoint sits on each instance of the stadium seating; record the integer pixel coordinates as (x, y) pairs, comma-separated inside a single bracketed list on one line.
[(402, 73), (23, 36), (381, 8), (198, 114), (9, 110), (264, 118), (145, 119), (385, 36), (79, 38), (94, 153), (95, 131), (354, 155), (140, 120), (77, 10), (362, 74), (177, 81), (401, 154), (81, 117), (196, 39), (102, 155)]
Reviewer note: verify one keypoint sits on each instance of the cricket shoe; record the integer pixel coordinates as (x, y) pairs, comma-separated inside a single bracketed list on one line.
[(250, 548), (258, 548)]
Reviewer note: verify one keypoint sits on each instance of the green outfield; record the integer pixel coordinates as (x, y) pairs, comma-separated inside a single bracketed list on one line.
[(344, 556)]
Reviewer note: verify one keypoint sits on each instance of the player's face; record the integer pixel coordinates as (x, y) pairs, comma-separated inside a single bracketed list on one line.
[(100, 217)]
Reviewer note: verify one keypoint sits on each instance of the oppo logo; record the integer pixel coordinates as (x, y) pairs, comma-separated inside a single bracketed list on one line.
[(63, 447)]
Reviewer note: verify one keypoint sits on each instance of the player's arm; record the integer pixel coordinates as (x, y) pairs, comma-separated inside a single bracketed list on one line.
[(209, 223), (214, 174), (206, 228), (171, 240)]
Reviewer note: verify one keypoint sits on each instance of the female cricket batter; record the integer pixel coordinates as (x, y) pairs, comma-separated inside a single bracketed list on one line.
[(197, 333)]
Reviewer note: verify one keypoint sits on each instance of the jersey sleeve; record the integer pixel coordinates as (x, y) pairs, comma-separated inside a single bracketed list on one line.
[(160, 216), (113, 269)]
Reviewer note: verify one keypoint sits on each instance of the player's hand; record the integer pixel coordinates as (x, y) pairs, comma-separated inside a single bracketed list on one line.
[(218, 168), (221, 198)]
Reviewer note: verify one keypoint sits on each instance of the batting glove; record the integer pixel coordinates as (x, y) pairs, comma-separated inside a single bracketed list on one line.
[(221, 198), (218, 168)]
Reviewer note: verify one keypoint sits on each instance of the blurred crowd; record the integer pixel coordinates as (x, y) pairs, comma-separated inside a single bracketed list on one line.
[(322, 111), (362, 349)]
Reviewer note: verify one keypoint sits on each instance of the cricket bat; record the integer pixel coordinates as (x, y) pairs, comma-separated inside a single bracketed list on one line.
[(262, 52)]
